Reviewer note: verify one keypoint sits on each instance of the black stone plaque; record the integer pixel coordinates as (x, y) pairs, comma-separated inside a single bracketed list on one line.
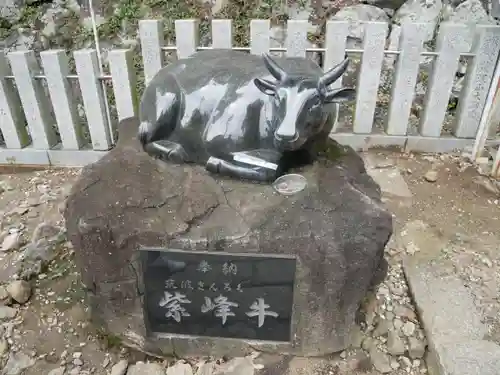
[(218, 294)]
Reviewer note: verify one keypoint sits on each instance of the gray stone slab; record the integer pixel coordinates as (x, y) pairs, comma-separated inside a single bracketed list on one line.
[(444, 304), (388, 176), (476, 357), (452, 323)]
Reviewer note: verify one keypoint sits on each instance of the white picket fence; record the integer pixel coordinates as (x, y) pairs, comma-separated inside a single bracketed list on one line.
[(27, 119)]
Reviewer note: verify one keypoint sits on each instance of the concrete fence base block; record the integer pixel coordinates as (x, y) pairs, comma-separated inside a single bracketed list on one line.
[(452, 323), (473, 357)]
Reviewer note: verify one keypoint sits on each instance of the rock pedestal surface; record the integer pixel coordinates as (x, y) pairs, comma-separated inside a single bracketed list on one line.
[(336, 228)]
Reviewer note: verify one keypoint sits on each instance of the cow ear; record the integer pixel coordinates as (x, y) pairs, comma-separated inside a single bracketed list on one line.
[(265, 86), (340, 95)]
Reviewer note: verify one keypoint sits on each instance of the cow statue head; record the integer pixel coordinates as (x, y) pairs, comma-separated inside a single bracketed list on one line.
[(300, 104)]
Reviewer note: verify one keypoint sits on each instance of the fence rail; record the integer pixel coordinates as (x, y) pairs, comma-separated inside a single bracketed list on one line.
[(41, 128)]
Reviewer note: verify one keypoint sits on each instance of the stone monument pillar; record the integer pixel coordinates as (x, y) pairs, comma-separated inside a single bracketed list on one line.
[(175, 259)]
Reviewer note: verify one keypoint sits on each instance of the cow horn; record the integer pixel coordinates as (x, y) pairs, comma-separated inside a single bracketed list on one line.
[(333, 74), (274, 68)]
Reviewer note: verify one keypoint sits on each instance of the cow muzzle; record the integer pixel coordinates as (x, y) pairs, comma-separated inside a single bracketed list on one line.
[(285, 143)]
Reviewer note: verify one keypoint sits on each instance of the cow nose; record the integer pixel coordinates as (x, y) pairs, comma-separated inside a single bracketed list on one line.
[(286, 137)]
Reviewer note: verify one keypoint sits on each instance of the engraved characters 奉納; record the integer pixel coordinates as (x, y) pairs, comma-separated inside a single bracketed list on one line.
[(229, 268), (204, 266)]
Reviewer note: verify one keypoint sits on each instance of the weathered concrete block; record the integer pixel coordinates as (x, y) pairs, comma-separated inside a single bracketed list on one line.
[(336, 228), (388, 176), (452, 322), (473, 357), (444, 303)]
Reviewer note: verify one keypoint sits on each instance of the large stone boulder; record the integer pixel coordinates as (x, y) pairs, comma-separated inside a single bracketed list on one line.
[(468, 12), (357, 15), (336, 228), (420, 11)]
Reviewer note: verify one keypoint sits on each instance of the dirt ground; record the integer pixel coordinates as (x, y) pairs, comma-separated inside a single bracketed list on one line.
[(51, 329), (462, 208), (455, 203)]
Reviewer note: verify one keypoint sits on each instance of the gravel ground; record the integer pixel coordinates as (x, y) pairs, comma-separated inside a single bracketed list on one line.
[(44, 328), (462, 210)]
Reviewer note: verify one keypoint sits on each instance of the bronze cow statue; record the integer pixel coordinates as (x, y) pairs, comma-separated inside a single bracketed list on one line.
[(239, 114)]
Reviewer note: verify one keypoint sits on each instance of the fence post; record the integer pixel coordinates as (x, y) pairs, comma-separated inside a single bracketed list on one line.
[(124, 83), (35, 103), (87, 68), (55, 67), (335, 43), (452, 41), (151, 36), (369, 76), (186, 37), (486, 48), (296, 38), (12, 119), (259, 37), (403, 87), (222, 34), (491, 105)]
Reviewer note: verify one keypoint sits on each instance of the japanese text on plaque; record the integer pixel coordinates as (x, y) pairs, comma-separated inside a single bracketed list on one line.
[(177, 305)]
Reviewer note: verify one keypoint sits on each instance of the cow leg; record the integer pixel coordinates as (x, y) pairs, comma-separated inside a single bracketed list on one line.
[(167, 151), (241, 170)]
